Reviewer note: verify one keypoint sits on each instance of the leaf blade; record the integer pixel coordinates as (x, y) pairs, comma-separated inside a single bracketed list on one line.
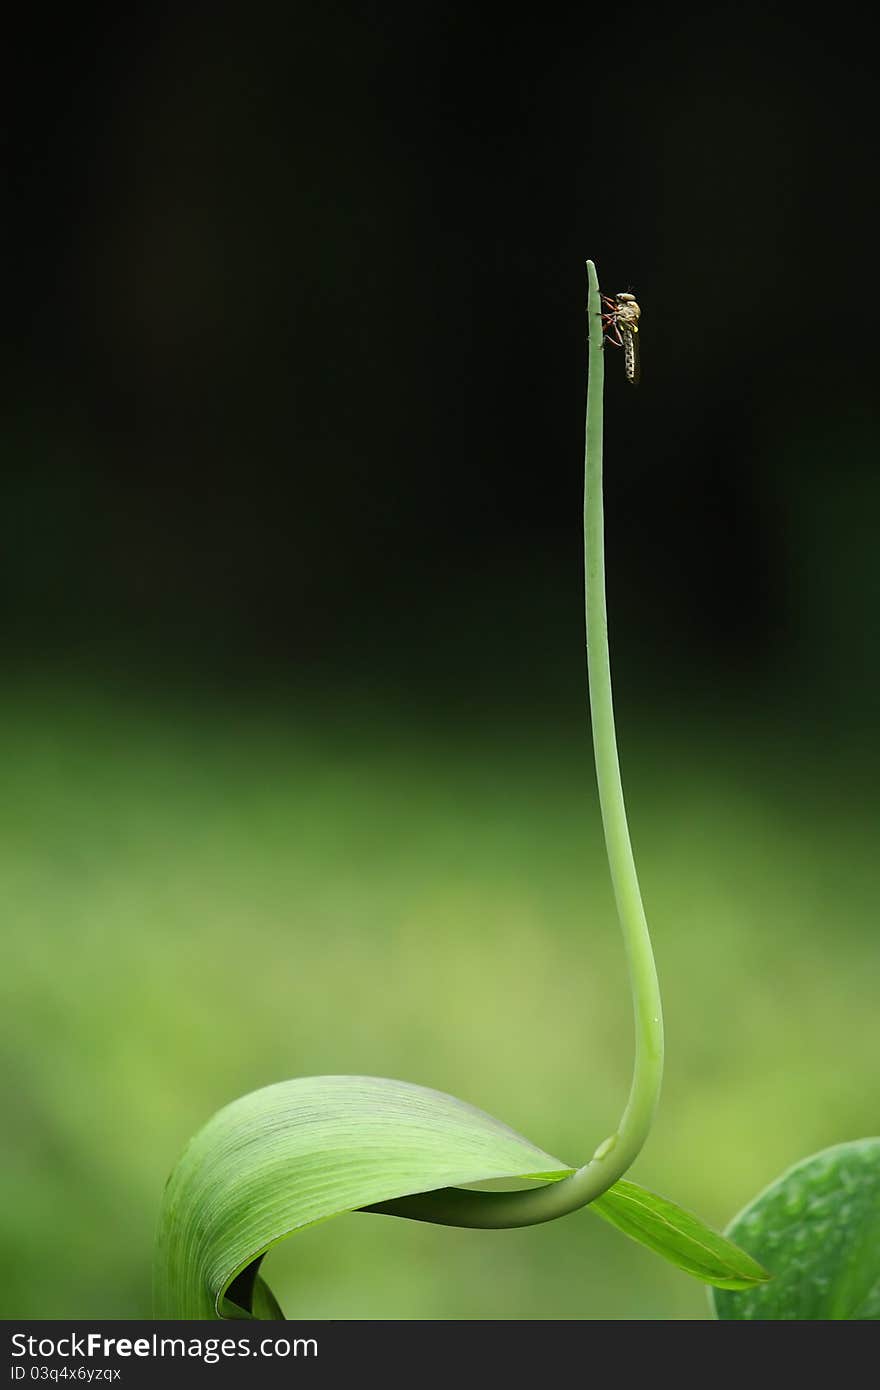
[(818, 1228), (678, 1236), (297, 1153)]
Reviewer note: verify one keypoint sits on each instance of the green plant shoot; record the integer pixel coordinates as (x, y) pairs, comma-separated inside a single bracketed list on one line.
[(294, 1154)]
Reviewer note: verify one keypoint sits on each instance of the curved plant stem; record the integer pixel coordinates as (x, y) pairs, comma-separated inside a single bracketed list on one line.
[(452, 1206)]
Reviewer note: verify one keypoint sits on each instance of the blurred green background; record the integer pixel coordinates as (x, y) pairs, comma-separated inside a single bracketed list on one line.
[(295, 756), (205, 901)]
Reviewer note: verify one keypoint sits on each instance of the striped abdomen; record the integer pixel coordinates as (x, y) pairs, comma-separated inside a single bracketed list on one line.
[(631, 361)]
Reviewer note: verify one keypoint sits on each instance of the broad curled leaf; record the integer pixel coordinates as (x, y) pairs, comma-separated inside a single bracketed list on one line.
[(296, 1153), (817, 1228), (678, 1236)]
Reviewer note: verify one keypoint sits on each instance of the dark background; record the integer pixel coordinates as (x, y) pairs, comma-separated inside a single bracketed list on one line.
[(295, 337), (294, 764)]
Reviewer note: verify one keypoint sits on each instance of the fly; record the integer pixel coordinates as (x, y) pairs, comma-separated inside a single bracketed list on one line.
[(620, 324)]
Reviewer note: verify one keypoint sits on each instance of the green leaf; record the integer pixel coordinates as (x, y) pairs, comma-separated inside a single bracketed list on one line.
[(678, 1236), (818, 1230), (299, 1152)]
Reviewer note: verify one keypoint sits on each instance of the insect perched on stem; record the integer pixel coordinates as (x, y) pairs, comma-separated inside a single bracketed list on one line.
[(620, 324)]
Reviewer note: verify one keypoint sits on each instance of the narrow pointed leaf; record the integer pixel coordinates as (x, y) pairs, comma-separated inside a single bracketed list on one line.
[(678, 1236), (294, 1154), (818, 1229)]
